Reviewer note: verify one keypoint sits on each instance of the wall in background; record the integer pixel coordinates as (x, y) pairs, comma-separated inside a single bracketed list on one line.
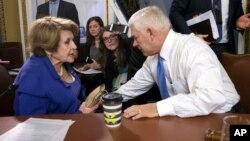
[(2, 24), (11, 19)]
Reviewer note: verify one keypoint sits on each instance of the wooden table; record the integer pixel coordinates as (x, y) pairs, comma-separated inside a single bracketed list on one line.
[(91, 127)]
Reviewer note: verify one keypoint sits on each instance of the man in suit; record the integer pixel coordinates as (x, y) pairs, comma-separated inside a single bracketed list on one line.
[(63, 9), (231, 17), (162, 4)]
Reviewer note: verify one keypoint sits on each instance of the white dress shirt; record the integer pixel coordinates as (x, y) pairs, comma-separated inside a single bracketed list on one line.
[(196, 81)]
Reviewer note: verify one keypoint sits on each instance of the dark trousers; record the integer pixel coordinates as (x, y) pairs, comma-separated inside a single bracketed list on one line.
[(237, 108), (219, 48)]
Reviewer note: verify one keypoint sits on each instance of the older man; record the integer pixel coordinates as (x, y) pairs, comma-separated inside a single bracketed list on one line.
[(192, 81)]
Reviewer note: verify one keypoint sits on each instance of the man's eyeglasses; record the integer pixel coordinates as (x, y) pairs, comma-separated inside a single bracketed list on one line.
[(110, 38)]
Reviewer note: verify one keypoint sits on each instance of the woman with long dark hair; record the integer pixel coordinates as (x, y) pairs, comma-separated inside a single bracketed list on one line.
[(115, 52), (91, 47)]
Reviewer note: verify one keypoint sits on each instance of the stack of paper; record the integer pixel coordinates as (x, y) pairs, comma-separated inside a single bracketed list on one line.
[(88, 71), (204, 24), (37, 129)]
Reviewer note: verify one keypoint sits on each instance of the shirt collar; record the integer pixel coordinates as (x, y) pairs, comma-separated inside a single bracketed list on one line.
[(167, 45), (56, 1)]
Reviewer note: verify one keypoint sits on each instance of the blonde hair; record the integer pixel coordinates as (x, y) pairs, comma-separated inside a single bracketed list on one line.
[(44, 34), (148, 17)]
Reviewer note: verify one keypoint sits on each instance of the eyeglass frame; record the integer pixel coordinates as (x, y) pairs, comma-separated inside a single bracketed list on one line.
[(111, 37)]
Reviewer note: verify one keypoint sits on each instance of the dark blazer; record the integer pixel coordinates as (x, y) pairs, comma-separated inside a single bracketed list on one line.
[(183, 10), (83, 53), (65, 10)]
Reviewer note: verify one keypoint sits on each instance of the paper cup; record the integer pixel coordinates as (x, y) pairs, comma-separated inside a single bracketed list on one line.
[(112, 106)]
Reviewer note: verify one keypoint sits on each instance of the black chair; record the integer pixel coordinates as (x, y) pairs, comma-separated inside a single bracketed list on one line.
[(12, 51), (6, 100)]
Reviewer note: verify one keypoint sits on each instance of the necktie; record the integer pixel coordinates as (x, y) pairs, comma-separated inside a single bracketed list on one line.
[(161, 79), (218, 16), (53, 9)]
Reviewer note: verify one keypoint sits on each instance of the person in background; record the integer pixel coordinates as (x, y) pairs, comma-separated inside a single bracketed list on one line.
[(191, 80), (47, 82), (91, 47), (90, 51), (115, 52), (60, 8), (128, 7), (229, 18), (159, 3)]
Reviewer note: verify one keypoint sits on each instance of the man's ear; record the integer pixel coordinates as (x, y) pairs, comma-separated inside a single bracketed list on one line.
[(150, 33)]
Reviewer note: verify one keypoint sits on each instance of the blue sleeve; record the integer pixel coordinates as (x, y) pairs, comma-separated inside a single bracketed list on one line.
[(27, 104), (30, 96)]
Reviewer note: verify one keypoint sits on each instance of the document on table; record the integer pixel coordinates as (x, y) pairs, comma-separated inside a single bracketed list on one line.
[(38, 129), (14, 71), (204, 24), (88, 71)]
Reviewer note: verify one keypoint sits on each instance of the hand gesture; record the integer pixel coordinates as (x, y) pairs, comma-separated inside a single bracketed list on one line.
[(243, 21)]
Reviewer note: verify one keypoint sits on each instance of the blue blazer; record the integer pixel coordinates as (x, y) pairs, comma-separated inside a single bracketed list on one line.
[(41, 91)]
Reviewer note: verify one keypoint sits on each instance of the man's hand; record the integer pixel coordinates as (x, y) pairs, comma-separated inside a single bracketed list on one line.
[(243, 21), (140, 111), (203, 36)]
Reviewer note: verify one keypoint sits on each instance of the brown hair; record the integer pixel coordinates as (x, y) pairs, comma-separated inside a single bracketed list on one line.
[(122, 50), (90, 38), (44, 34)]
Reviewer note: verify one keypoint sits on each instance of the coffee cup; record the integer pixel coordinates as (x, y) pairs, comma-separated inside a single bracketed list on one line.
[(112, 106)]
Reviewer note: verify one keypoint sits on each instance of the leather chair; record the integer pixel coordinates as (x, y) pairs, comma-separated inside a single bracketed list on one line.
[(6, 100), (12, 51), (238, 69)]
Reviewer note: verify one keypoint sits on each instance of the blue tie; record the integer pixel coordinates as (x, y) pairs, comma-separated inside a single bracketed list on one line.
[(161, 81), (218, 16)]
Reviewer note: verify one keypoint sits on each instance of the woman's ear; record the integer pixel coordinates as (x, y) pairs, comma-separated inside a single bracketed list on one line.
[(48, 53)]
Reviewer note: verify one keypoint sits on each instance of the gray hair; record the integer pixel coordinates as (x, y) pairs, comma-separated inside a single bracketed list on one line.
[(148, 17)]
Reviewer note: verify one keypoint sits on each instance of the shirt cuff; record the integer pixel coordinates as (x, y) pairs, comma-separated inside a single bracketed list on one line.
[(165, 108), (192, 34)]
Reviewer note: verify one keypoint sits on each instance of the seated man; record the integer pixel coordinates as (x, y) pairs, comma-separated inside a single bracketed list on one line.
[(191, 80)]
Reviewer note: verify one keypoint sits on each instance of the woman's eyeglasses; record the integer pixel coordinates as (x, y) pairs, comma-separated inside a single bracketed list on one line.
[(109, 38)]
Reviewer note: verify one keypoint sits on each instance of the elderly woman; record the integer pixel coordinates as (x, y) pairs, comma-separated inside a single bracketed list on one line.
[(47, 82)]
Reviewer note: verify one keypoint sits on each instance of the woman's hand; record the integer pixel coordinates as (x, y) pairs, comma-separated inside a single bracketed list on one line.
[(87, 110), (84, 68), (94, 65)]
